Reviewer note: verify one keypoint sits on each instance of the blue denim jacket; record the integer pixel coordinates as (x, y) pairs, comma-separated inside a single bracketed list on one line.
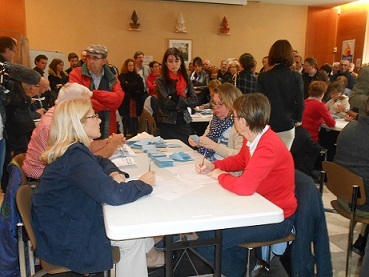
[(67, 214)]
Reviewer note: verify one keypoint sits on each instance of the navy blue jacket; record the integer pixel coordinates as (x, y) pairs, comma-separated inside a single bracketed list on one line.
[(67, 214), (311, 229)]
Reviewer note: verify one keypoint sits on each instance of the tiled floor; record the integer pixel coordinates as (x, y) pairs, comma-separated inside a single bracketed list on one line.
[(338, 230)]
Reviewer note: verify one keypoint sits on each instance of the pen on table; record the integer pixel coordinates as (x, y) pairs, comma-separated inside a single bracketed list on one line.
[(203, 158), (150, 165)]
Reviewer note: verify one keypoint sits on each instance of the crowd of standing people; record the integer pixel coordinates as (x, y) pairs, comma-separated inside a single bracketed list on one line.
[(255, 116)]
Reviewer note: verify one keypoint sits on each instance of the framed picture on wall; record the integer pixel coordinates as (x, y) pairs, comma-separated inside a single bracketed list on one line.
[(185, 45)]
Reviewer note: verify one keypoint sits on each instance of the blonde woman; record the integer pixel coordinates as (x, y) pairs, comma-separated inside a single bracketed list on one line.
[(234, 68), (220, 139), (67, 204)]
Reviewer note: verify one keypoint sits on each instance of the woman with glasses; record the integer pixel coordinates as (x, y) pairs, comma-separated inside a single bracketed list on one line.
[(220, 139), (267, 168), (67, 214), (175, 94)]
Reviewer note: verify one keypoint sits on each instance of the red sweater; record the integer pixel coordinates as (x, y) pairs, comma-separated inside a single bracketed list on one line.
[(269, 172), (315, 113)]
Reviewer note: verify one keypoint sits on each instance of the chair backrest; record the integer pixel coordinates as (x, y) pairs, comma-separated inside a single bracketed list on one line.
[(340, 181), (146, 123), (24, 203), (18, 161)]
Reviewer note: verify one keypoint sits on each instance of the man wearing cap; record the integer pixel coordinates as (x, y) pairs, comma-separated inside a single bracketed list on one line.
[(107, 93)]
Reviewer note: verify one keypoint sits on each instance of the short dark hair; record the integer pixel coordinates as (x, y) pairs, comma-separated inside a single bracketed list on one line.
[(40, 57), (317, 88), (197, 60), (137, 54), (327, 68), (312, 61), (151, 64), (247, 61), (255, 109), (281, 52), (7, 43), (72, 56)]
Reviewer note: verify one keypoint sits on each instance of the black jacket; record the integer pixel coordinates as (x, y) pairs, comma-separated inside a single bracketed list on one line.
[(285, 90)]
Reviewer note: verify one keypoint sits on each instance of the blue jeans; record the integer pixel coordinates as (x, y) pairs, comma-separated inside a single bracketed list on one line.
[(233, 256), (365, 265)]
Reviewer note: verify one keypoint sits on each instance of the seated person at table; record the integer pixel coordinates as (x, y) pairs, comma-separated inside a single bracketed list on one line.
[(210, 87), (352, 153), (268, 169), (32, 165), (338, 105), (316, 111), (67, 215), (220, 139)]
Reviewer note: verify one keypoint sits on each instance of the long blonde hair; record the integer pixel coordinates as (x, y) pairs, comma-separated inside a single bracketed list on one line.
[(67, 128)]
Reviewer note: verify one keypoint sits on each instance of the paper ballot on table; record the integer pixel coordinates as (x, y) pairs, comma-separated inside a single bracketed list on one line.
[(180, 184)]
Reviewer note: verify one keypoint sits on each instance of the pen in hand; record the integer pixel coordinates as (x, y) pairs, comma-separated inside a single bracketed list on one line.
[(150, 165), (203, 158)]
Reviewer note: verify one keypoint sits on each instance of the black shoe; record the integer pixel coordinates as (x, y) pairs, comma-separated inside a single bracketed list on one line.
[(359, 246)]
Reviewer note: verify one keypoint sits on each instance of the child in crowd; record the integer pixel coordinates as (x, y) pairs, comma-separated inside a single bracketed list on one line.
[(338, 105), (315, 110)]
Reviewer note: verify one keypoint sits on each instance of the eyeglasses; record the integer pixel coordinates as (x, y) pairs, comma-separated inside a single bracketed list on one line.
[(343, 64), (213, 104), (96, 116), (233, 117), (94, 58)]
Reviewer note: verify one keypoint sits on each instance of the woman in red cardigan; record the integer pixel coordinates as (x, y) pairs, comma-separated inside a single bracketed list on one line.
[(268, 169)]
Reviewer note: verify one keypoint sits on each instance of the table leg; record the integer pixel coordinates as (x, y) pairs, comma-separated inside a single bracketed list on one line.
[(218, 253), (168, 255)]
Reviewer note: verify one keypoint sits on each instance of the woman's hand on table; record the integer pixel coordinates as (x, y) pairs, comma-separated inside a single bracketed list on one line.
[(148, 178), (119, 178), (215, 173), (204, 168)]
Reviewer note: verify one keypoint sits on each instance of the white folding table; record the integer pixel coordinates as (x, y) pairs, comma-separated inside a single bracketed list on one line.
[(210, 207)]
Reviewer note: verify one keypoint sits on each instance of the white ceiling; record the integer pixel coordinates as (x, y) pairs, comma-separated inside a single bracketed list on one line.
[(330, 3)]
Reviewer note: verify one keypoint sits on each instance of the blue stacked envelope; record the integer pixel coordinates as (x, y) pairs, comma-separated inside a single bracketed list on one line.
[(163, 161), (155, 154), (181, 157)]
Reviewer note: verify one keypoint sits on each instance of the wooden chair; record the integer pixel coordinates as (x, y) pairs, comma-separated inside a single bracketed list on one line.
[(24, 203), (252, 245), (146, 123), (348, 187)]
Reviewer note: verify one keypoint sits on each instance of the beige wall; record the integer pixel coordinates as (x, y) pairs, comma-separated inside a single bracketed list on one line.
[(69, 26)]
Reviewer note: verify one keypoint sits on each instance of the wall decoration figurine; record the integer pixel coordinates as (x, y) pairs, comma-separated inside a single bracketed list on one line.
[(181, 26), (135, 26), (224, 29)]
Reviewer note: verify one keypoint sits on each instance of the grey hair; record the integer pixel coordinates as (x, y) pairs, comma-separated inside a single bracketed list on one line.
[(71, 91)]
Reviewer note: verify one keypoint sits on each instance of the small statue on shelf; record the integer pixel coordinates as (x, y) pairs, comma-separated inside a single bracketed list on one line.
[(224, 27), (134, 25), (181, 27)]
